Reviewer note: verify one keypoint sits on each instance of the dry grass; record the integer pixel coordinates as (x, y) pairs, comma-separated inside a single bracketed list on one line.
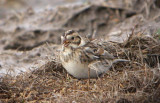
[(134, 82)]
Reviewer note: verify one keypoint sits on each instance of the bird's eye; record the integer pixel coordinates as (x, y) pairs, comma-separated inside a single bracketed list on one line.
[(72, 38)]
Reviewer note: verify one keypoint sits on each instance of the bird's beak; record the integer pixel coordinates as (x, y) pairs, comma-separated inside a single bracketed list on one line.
[(66, 43)]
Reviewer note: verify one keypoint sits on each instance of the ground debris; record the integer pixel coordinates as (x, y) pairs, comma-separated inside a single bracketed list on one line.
[(28, 51)]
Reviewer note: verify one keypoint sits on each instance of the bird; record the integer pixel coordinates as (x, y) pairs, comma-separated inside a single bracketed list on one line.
[(84, 58)]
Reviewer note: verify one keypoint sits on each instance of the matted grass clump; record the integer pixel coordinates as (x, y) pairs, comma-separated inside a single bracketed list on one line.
[(135, 82)]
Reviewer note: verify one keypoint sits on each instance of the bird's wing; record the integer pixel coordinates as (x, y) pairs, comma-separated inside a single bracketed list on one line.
[(96, 52), (97, 58), (99, 66)]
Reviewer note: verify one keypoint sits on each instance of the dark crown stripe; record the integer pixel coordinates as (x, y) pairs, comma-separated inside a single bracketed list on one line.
[(69, 32)]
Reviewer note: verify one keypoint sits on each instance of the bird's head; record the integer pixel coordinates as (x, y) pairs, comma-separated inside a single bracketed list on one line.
[(71, 39)]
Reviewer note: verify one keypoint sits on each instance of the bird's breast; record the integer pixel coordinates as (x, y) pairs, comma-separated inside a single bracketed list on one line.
[(74, 66)]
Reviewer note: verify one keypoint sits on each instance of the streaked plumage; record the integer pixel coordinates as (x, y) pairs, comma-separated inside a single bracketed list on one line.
[(79, 54)]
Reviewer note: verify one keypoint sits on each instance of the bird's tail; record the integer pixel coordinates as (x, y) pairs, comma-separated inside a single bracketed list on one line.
[(120, 60)]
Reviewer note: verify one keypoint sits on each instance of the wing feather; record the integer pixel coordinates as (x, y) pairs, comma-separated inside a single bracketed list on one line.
[(100, 59)]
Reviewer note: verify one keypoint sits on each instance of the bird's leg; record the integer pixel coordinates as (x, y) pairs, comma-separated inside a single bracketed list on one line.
[(88, 78)]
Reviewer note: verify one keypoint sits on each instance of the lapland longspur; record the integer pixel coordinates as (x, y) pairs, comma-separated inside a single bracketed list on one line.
[(83, 58)]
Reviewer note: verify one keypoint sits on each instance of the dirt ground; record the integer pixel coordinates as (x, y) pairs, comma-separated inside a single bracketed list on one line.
[(30, 42)]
